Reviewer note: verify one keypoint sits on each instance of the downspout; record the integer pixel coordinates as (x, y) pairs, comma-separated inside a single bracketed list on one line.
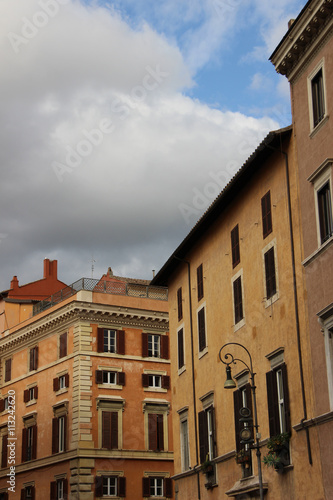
[(299, 346), (193, 378)]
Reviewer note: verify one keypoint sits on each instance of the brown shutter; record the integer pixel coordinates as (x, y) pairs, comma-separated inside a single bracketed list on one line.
[(2, 405), (266, 214), (238, 300), (114, 430), (65, 432), (200, 282), (145, 380), (121, 378), (4, 452), (152, 431), (180, 348), (65, 482), (23, 494), (106, 430), (33, 492), (100, 339), (164, 346), (120, 342), (272, 403), (145, 487), (67, 379), (24, 444), (180, 303), (160, 433), (201, 329), (34, 442), (122, 486), (63, 345), (98, 486), (270, 273), (168, 487), (53, 490), (286, 397), (26, 396), (31, 362), (99, 377), (8, 370), (144, 345), (212, 410), (55, 435), (36, 392), (235, 246), (165, 381), (56, 384), (203, 435)]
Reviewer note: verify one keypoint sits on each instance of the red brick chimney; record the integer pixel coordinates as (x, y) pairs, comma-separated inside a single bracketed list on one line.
[(14, 284), (50, 269)]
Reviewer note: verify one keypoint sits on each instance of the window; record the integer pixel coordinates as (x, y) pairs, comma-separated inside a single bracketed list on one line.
[(157, 487), (207, 434), (202, 329), (184, 444), (325, 212), (29, 440), (30, 394), (110, 377), (155, 432), (110, 414), (59, 430), (180, 304), (266, 212), (112, 486), (33, 359), (59, 489), (4, 450), (61, 382), (8, 370), (238, 300), (155, 381), (235, 246), (63, 345), (200, 282), (270, 273), (326, 322), (112, 341), (28, 493), (318, 99), (4, 404), (181, 359), (110, 430), (278, 400), (155, 346)]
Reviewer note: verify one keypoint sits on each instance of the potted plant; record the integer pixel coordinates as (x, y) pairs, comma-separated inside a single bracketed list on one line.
[(207, 466), (278, 442), (242, 456), (278, 454)]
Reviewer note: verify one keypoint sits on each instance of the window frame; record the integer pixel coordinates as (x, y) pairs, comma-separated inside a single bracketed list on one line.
[(239, 321), (266, 214), (109, 405), (321, 177), (33, 359), (200, 283), (161, 409), (184, 442), (202, 330), (29, 439), (180, 303), (181, 349), (277, 425), (120, 485), (320, 67), (235, 248), (119, 343), (270, 247)]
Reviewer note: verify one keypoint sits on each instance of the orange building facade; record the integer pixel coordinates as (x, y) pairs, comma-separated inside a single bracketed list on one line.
[(85, 395)]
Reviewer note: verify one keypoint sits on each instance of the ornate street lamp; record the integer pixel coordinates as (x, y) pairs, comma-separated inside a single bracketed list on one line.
[(227, 360)]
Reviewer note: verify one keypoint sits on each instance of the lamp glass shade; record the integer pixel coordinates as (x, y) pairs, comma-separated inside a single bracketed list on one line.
[(229, 383)]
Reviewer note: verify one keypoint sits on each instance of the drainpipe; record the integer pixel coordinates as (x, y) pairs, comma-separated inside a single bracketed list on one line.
[(299, 346), (193, 378)]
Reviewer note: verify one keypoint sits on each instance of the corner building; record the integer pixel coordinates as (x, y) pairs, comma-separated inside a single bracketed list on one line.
[(85, 395)]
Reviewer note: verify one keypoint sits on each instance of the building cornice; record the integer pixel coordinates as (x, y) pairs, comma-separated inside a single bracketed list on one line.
[(304, 37), (82, 311)]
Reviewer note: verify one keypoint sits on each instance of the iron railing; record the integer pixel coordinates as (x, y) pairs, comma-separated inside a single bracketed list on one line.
[(102, 286)]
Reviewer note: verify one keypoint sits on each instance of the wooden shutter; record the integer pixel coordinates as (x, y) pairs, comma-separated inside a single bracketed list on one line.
[(34, 442), (24, 444), (235, 246), (145, 487), (201, 329), (203, 435), (272, 403), (2, 405), (283, 368), (36, 392), (114, 430), (63, 345), (106, 430), (266, 214), (67, 379), (144, 345), (55, 435), (122, 486), (56, 384), (98, 486), (238, 300), (180, 303), (212, 410), (23, 494), (8, 370), (165, 381), (120, 342), (270, 273), (100, 339), (65, 432), (180, 348), (99, 376), (164, 346), (65, 483), (145, 380), (53, 490), (33, 492), (4, 451), (26, 396), (121, 378), (168, 487), (152, 431), (200, 282)]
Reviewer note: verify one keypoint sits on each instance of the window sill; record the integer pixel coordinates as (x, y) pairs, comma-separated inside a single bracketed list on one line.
[(239, 325), (271, 300), (203, 352), (62, 391), (32, 402), (110, 386), (182, 370), (155, 389), (316, 129)]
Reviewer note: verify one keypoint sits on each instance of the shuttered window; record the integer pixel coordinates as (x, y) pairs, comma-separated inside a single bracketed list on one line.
[(157, 487), (33, 359), (318, 99), (200, 287), (238, 300), (325, 212), (28, 493), (112, 341), (202, 329), (270, 277), (110, 430), (180, 348), (59, 434), (156, 346), (207, 438), (8, 370), (235, 252), (155, 432), (29, 443), (59, 489), (180, 304), (63, 345), (4, 451), (278, 400), (266, 214)]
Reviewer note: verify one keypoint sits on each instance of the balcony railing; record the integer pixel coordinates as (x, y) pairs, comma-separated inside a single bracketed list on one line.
[(102, 286)]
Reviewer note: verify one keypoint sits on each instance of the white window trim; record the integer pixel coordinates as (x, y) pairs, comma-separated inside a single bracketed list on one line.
[(160, 373), (110, 369), (327, 325), (319, 178), (320, 66), (183, 417), (160, 408), (111, 404), (205, 350), (240, 323), (183, 368), (276, 296)]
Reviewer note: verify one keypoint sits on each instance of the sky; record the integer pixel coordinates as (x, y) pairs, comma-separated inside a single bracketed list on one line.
[(121, 121)]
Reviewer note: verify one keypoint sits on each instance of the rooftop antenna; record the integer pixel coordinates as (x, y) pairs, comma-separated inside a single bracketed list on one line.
[(92, 266)]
